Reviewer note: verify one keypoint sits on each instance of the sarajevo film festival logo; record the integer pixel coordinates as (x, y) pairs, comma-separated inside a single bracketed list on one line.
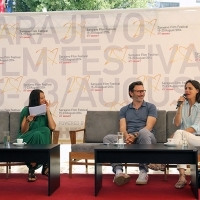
[(69, 29), (46, 55), (8, 29), (149, 27), (76, 82), (151, 81), (117, 53), (11, 84), (181, 53)]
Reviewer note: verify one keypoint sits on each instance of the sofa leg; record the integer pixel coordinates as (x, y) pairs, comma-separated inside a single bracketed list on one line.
[(125, 165), (70, 166), (86, 165), (55, 136), (165, 175), (7, 170)]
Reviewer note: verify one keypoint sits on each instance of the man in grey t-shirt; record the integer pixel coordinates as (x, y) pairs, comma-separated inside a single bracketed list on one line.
[(136, 122)]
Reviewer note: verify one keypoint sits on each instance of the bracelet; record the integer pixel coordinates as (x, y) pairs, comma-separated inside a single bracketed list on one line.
[(135, 135)]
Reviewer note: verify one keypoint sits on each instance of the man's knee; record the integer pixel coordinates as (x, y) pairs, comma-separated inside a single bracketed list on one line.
[(143, 133), (145, 137), (109, 138)]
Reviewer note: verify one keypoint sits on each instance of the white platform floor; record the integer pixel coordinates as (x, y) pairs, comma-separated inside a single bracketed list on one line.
[(64, 166)]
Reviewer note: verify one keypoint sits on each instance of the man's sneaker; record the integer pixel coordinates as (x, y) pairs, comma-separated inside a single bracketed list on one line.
[(142, 178), (121, 179)]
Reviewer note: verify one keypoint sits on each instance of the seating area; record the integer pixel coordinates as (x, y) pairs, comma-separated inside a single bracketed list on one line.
[(108, 123), (82, 154)]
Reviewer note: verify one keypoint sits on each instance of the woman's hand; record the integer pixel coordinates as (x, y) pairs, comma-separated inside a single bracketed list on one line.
[(30, 118), (182, 99), (26, 123), (51, 123), (47, 104)]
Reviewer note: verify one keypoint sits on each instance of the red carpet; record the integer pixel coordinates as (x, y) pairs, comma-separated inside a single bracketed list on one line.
[(81, 186)]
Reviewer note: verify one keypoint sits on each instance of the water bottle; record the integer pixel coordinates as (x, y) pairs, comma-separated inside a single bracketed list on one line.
[(185, 144)]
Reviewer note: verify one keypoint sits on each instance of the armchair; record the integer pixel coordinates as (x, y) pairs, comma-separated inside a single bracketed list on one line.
[(97, 125), (10, 121)]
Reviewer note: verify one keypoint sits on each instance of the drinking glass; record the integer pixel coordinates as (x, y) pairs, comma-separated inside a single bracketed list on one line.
[(6, 138), (120, 139)]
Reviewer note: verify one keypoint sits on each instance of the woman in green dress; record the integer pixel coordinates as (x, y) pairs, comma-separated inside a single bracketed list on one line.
[(36, 129)]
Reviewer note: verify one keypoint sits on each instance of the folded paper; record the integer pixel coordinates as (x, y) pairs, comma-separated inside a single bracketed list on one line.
[(38, 110)]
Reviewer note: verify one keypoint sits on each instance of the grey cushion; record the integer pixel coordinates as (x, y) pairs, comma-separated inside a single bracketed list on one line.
[(4, 123), (160, 127), (171, 128), (14, 125), (85, 147), (99, 124)]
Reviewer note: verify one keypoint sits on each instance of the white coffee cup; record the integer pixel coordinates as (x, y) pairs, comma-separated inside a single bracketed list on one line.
[(171, 140), (20, 140)]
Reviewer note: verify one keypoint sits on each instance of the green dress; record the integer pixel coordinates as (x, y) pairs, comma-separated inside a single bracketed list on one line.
[(38, 132)]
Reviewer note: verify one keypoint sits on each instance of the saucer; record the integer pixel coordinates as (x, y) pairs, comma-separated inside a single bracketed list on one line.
[(170, 144), (20, 144)]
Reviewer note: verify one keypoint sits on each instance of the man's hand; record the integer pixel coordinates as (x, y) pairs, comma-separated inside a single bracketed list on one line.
[(130, 139)]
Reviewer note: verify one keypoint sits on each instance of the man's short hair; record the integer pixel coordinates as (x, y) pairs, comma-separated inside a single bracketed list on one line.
[(132, 85)]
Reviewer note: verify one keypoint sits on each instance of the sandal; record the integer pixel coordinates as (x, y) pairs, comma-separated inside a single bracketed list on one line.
[(181, 183), (31, 175), (45, 170), (157, 167)]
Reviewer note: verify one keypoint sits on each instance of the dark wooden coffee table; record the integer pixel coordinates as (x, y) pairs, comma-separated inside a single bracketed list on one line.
[(36, 153), (146, 154)]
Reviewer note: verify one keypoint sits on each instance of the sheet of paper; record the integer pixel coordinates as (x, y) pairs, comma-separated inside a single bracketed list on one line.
[(38, 110)]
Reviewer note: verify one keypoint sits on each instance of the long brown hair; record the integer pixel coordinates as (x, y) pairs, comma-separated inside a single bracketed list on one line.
[(34, 98)]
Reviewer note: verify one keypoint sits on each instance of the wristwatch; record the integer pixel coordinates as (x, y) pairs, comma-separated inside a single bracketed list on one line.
[(135, 135)]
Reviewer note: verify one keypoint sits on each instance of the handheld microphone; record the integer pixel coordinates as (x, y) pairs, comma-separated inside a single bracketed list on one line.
[(180, 102)]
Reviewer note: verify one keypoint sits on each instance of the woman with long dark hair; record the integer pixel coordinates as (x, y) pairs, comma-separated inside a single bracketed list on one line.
[(188, 118), (36, 129)]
